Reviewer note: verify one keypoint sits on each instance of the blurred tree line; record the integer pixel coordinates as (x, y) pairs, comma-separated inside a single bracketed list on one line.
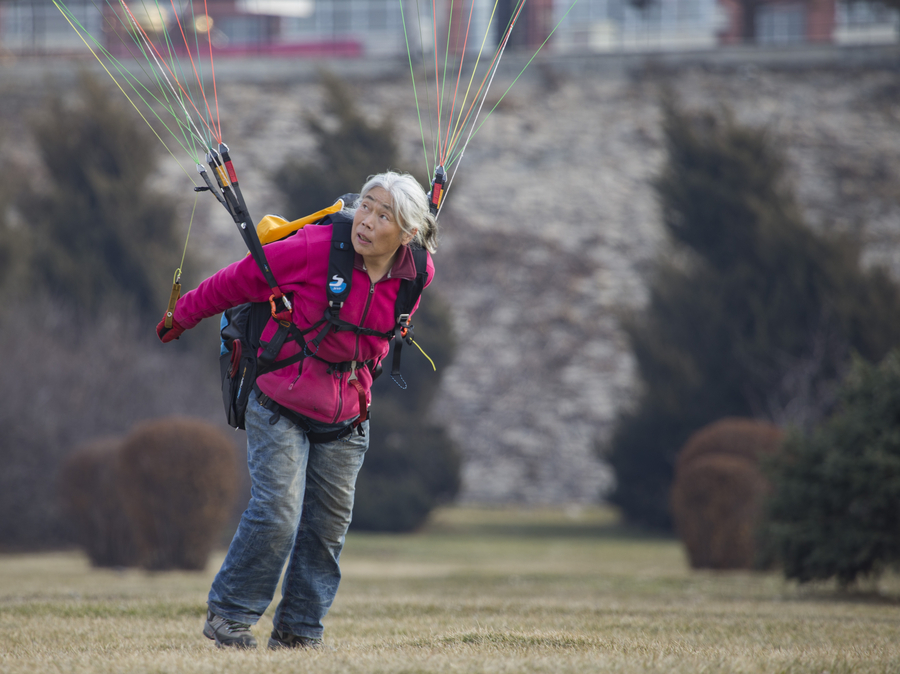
[(87, 254), (88, 251), (751, 313)]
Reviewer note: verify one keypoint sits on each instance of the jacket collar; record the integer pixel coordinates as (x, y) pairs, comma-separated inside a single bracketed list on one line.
[(404, 266)]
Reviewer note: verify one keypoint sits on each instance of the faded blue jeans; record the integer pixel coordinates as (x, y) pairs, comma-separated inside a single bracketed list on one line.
[(301, 499)]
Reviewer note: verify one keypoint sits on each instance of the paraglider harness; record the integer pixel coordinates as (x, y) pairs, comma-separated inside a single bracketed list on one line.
[(242, 328)]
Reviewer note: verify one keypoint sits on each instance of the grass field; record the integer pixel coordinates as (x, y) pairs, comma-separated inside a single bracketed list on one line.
[(478, 591)]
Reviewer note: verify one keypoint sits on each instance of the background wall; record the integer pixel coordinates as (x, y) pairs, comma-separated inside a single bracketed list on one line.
[(551, 222)]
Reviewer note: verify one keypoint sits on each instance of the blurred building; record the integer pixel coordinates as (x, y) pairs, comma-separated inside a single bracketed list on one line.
[(383, 28)]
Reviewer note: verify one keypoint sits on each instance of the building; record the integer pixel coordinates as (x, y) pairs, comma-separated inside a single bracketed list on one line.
[(672, 25), (390, 28)]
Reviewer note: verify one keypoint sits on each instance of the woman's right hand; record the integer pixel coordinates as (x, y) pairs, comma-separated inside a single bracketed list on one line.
[(165, 334)]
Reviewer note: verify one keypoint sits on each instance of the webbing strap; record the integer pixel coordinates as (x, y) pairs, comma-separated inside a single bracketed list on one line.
[(299, 420), (340, 262), (395, 363), (407, 296), (234, 202), (363, 407)]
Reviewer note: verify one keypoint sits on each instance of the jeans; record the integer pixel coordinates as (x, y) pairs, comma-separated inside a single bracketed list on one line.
[(301, 499)]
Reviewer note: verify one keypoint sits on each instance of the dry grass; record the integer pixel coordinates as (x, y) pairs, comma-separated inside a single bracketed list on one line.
[(479, 591)]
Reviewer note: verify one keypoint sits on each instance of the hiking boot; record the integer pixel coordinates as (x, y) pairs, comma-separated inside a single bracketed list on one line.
[(228, 633), (281, 639)]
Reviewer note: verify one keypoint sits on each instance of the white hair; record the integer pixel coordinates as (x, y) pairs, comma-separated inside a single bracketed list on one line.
[(409, 206)]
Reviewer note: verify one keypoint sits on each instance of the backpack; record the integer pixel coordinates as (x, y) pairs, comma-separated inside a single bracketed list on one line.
[(242, 327)]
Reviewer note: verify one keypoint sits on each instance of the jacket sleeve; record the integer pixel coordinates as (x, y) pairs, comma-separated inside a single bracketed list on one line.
[(241, 282)]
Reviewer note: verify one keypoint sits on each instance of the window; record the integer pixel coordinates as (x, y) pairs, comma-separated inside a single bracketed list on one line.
[(38, 25), (343, 15), (781, 24), (244, 29)]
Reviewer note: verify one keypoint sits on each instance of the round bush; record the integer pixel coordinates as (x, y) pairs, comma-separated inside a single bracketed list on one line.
[(92, 505), (715, 506), (178, 478), (736, 436), (718, 492)]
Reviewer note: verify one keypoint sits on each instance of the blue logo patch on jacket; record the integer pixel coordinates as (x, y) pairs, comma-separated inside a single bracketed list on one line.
[(337, 285)]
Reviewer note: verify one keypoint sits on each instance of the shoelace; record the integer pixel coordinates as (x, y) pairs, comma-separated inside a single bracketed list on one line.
[(235, 626)]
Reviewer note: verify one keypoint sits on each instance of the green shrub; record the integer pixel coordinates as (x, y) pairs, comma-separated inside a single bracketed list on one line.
[(14, 253), (751, 315), (718, 491), (348, 150), (412, 464), (98, 235), (410, 468), (835, 507)]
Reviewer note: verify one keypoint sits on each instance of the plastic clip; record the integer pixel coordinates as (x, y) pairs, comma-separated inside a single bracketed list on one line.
[(283, 317), (436, 195)]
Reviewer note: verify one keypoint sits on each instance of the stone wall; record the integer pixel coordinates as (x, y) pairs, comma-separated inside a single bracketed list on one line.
[(551, 225)]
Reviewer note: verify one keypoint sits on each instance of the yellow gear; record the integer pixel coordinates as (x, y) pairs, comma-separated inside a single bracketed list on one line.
[(274, 227)]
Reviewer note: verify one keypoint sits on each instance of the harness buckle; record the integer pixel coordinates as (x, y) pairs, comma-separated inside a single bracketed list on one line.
[(404, 325), (283, 317)]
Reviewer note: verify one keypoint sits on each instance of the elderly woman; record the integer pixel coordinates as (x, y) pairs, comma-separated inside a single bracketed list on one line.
[(302, 486)]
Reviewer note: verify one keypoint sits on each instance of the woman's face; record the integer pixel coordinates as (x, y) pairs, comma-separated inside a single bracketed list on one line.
[(376, 235)]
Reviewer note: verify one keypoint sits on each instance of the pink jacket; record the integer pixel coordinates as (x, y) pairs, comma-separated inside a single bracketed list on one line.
[(300, 265)]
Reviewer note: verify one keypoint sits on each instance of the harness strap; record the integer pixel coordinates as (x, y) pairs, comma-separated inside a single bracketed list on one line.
[(348, 365), (273, 347), (363, 407), (332, 321), (402, 333), (407, 297), (302, 422), (234, 202)]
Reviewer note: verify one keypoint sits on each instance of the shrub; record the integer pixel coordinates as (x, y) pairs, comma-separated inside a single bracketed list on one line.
[(87, 250), (754, 315), (747, 439), (412, 464), (718, 491), (177, 480), (834, 511), (408, 471), (93, 507), (98, 234), (348, 147), (77, 377)]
